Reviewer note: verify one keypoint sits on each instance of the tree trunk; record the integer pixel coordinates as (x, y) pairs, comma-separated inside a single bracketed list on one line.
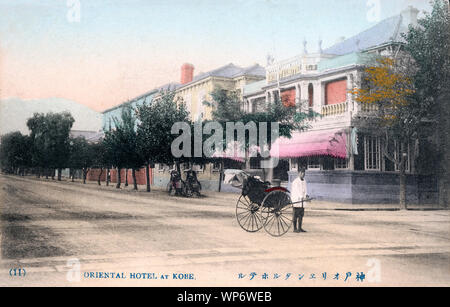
[(220, 175), (108, 176), (126, 177), (100, 176), (402, 177), (59, 174), (85, 172), (46, 173), (247, 159), (118, 178), (133, 171), (147, 175)]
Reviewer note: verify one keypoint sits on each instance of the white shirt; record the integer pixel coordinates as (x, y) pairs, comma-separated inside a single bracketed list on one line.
[(298, 191)]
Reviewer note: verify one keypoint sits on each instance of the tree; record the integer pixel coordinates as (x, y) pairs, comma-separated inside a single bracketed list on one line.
[(227, 104), (155, 121), (127, 128), (81, 155), (39, 156), (429, 46), (121, 144), (100, 160), (15, 152), (50, 135), (387, 86)]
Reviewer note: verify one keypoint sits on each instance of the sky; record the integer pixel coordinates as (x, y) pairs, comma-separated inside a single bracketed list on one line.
[(101, 53)]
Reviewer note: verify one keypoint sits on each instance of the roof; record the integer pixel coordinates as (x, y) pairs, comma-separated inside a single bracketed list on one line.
[(153, 91), (227, 71), (231, 71), (355, 58), (254, 87), (169, 86), (387, 31), (88, 135)]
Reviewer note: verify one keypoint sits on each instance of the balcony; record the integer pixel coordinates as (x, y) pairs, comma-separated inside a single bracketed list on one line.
[(368, 107), (334, 109)]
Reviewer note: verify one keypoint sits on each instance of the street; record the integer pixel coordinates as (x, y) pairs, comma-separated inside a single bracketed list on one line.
[(50, 228)]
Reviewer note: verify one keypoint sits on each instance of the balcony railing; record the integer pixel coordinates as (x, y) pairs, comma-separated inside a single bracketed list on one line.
[(334, 109), (368, 107)]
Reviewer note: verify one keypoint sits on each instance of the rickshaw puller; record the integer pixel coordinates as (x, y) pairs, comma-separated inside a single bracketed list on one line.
[(298, 196)]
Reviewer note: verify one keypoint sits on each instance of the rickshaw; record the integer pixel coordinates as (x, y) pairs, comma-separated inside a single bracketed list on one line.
[(262, 205), (176, 185), (187, 187), (191, 184)]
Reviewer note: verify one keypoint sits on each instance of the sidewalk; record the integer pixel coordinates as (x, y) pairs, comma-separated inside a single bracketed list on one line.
[(326, 205)]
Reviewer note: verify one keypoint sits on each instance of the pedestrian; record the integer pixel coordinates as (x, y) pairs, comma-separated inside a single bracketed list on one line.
[(298, 196)]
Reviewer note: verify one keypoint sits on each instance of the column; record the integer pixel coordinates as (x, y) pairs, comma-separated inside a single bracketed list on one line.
[(350, 86), (298, 96), (268, 98), (317, 96)]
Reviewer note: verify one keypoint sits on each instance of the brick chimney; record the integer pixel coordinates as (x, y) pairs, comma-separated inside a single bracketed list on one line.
[(187, 73)]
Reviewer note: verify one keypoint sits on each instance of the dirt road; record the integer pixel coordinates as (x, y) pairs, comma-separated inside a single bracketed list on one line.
[(50, 229)]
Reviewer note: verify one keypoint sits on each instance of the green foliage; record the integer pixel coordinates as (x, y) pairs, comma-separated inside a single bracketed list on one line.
[(155, 121), (227, 108), (82, 153), (50, 137), (121, 142), (429, 46), (226, 105), (100, 158), (15, 151)]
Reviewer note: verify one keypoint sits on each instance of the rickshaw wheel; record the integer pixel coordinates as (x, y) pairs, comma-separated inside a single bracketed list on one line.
[(187, 190), (248, 215), (277, 212)]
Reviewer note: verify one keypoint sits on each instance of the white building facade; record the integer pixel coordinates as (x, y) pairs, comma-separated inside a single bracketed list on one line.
[(342, 164)]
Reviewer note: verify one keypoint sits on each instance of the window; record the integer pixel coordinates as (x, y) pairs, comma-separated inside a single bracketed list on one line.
[(336, 92), (340, 163), (359, 158), (254, 105), (288, 97), (160, 167), (255, 163), (314, 163), (327, 163), (372, 153), (310, 95)]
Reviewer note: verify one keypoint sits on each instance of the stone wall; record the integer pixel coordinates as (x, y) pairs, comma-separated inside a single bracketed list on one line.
[(367, 187)]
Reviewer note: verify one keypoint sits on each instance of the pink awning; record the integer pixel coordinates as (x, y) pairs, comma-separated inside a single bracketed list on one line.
[(311, 143)]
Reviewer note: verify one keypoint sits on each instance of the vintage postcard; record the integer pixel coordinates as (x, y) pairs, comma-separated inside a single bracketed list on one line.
[(213, 143)]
